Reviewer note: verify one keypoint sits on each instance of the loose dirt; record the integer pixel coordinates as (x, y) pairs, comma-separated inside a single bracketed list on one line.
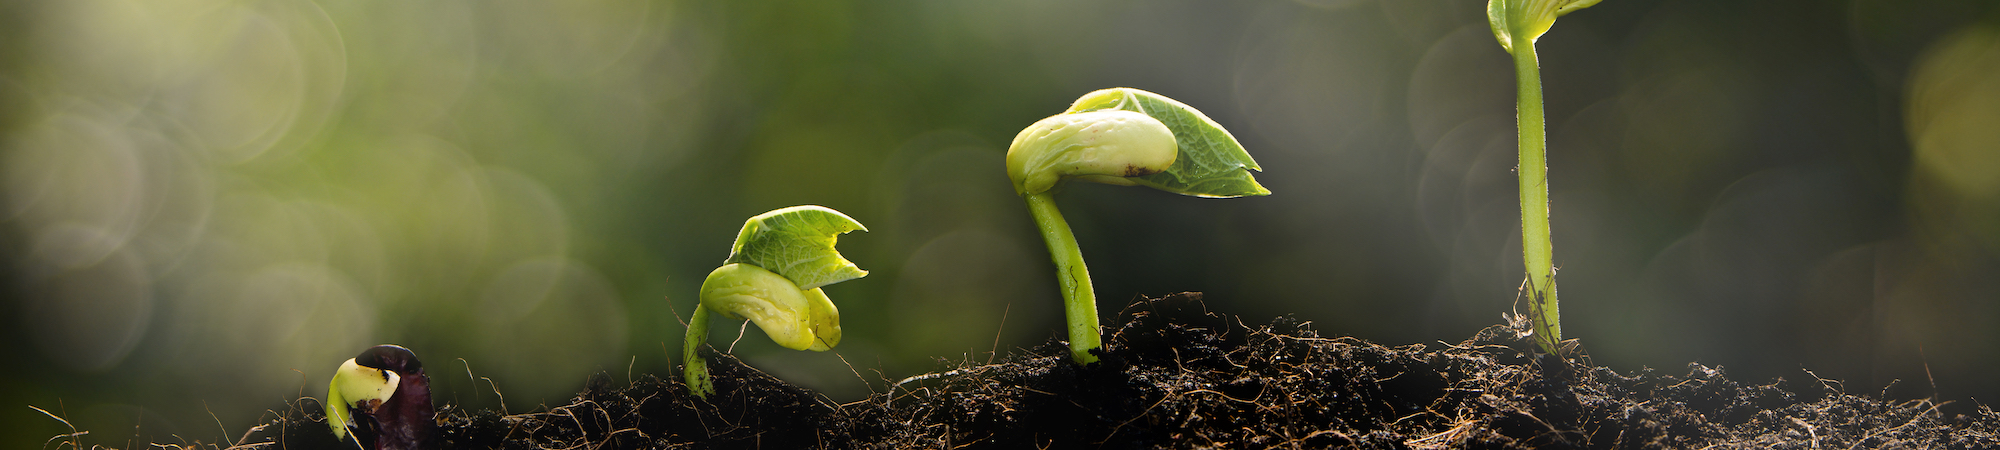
[(1176, 375)]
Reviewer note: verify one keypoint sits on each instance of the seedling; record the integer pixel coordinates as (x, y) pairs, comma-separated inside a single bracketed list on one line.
[(1125, 137), (384, 397), (773, 278), (1517, 24)]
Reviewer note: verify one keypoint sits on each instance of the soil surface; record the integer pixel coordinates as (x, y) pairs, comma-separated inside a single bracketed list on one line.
[(1175, 375)]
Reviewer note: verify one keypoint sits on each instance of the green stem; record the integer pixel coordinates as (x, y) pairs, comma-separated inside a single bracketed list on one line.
[(695, 369), (1536, 251), (1079, 303)]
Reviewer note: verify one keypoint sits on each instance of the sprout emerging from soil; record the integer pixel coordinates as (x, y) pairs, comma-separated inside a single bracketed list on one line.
[(773, 278), (384, 397), (1517, 24), (1126, 137)]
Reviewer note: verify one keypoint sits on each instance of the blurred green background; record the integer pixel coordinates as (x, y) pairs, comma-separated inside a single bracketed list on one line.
[(208, 204)]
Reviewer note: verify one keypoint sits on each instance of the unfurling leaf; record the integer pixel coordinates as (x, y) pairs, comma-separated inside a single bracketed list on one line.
[(797, 242), (1528, 19), (1210, 162)]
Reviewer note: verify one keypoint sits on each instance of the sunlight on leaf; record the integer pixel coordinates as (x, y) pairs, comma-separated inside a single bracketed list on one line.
[(1211, 163), (797, 242)]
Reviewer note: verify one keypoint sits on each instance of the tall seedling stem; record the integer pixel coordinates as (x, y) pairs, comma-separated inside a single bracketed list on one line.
[(1517, 24), (1537, 253)]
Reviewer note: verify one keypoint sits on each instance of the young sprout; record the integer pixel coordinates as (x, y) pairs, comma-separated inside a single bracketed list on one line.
[(772, 278), (384, 397), (1126, 137), (1517, 24)]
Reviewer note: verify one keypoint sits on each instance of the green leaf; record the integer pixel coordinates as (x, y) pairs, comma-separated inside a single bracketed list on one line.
[(1210, 164), (1527, 18), (797, 242)]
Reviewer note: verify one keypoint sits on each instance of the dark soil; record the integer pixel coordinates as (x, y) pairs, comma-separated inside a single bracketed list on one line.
[(1175, 375)]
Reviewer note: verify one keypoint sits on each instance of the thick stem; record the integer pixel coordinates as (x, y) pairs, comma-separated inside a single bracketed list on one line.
[(1079, 303), (694, 369), (1536, 251)]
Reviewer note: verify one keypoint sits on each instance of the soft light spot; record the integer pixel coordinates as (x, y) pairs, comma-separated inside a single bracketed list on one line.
[(88, 318)]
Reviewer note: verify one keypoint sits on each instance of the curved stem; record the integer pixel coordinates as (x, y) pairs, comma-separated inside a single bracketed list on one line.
[(1079, 303), (1536, 251), (694, 369)]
